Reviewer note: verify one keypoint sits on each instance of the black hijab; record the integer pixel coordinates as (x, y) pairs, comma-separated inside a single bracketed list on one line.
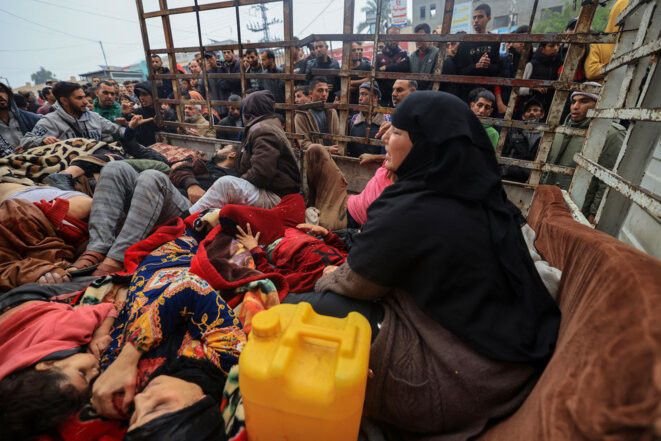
[(201, 420), (446, 233)]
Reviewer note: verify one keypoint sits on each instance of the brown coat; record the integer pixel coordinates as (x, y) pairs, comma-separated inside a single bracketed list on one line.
[(428, 384), (305, 124), (29, 245), (267, 159)]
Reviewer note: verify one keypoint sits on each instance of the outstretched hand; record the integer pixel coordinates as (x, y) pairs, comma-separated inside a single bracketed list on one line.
[(138, 120), (313, 229), (246, 238)]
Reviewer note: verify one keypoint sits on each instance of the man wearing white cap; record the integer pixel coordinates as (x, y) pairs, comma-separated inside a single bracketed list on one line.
[(565, 146)]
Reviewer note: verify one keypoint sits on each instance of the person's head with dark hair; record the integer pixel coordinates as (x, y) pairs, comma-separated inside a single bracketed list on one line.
[(321, 50), (156, 63), (368, 92), (181, 402), (224, 156), (6, 97), (422, 28), (71, 97), (144, 93), (248, 91), (518, 46), (549, 48), (393, 45), (106, 94), (92, 91), (268, 60), (258, 104), (35, 402), (253, 58), (319, 89), (356, 52), (533, 110), (571, 26), (234, 109), (481, 18), (126, 103), (401, 89), (302, 94), (482, 101), (47, 93), (96, 81), (21, 101)]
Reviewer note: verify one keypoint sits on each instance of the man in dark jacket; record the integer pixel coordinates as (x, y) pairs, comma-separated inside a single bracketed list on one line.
[(358, 125), (266, 163), (275, 85), (14, 123), (325, 61), (478, 58), (163, 87), (391, 59), (228, 86), (523, 143), (233, 119), (146, 133)]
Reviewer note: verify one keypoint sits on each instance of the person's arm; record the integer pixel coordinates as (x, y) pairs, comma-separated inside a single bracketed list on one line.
[(346, 282), (263, 161), (403, 65), (44, 129), (527, 73), (593, 63)]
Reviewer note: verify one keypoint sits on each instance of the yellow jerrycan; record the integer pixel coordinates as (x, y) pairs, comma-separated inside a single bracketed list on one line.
[(302, 375)]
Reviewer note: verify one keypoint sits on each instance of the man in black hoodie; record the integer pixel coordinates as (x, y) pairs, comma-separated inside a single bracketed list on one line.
[(163, 87), (478, 58), (325, 61), (391, 59), (146, 133), (14, 122)]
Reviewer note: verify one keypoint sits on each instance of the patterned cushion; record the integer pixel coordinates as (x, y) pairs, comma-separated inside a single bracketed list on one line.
[(174, 153)]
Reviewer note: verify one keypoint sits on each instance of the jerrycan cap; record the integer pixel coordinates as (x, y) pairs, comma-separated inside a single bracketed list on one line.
[(266, 324)]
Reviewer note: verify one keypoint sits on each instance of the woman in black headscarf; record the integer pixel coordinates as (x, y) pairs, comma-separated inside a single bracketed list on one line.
[(464, 320)]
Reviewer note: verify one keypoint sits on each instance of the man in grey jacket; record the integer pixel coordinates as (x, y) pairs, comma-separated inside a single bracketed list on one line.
[(72, 119), (423, 60)]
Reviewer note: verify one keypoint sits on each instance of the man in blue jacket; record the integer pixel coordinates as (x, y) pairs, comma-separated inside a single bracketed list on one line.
[(14, 123)]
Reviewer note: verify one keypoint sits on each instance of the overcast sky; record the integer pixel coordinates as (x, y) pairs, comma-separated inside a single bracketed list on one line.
[(63, 36)]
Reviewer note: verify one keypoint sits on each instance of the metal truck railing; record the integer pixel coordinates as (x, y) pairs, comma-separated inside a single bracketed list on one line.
[(635, 44)]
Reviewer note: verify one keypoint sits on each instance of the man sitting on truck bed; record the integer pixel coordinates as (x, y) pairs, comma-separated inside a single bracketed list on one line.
[(565, 146)]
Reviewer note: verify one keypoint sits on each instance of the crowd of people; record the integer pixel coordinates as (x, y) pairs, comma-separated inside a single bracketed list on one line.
[(131, 276)]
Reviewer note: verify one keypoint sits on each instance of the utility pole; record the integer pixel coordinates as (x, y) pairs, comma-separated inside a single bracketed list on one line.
[(104, 53), (264, 27)]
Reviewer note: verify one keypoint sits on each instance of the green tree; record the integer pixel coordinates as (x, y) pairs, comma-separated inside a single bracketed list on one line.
[(42, 75), (370, 8), (557, 21)]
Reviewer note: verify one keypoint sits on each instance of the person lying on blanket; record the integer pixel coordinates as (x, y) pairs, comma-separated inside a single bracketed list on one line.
[(302, 254), (164, 358)]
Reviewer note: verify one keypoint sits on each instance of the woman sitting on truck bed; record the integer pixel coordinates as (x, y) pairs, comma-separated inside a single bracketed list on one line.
[(462, 321)]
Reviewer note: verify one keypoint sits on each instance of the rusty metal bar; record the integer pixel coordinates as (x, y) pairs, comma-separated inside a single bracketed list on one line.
[(231, 46), (372, 78), (560, 96), (169, 42), (514, 92), (346, 138), (532, 165), (647, 200), (579, 37), (205, 78), (207, 7), (345, 90), (280, 76), (526, 125), (636, 54), (150, 76), (242, 70), (288, 24), (445, 29), (634, 113)]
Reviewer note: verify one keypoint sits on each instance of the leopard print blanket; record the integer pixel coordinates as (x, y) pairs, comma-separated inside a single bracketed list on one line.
[(31, 166)]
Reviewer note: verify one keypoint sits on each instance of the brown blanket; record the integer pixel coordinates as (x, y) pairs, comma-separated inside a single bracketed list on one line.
[(29, 245), (604, 380)]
